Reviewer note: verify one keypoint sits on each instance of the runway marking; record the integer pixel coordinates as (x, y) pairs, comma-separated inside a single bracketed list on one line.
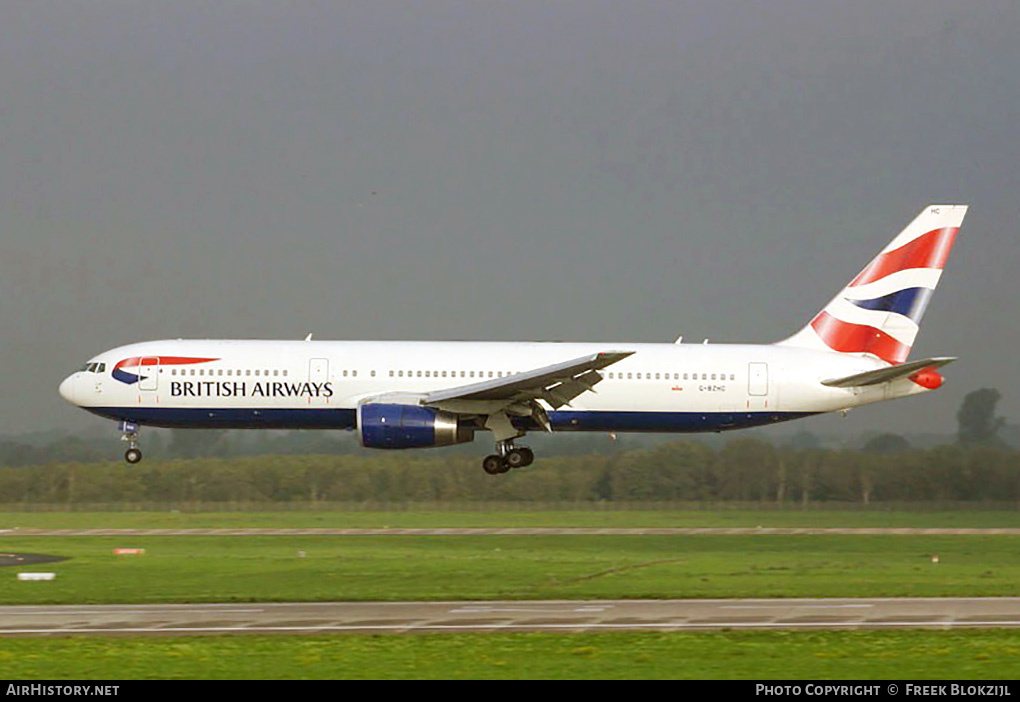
[(509, 626), (529, 610), (509, 616), (54, 613), (796, 606)]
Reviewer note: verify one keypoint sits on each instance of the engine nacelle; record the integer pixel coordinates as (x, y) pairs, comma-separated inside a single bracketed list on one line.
[(409, 426)]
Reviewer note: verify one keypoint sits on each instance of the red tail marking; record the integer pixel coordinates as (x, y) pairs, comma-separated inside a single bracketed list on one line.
[(926, 251), (845, 337)]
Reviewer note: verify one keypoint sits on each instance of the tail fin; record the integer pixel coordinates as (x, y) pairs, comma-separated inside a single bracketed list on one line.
[(877, 314)]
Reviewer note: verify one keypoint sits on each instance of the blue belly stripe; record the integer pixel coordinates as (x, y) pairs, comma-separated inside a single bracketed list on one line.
[(343, 418)]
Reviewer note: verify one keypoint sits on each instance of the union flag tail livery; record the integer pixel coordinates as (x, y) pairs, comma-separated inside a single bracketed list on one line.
[(879, 312), (418, 394)]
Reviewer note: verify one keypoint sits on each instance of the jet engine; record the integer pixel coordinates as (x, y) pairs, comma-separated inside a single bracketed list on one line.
[(390, 426)]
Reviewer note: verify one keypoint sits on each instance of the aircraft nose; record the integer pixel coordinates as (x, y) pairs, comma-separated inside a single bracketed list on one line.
[(67, 389)]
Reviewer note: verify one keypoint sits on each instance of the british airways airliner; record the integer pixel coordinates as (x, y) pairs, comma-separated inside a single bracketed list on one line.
[(417, 394)]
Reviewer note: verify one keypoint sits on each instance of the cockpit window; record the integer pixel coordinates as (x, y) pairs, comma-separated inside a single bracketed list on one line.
[(93, 368)]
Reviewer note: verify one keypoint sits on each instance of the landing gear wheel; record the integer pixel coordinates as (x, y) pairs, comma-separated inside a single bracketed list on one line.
[(516, 459), (129, 434), (494, 465), (529, 456)]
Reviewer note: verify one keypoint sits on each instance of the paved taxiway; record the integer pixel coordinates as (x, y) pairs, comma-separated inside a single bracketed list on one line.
[(510, 616)]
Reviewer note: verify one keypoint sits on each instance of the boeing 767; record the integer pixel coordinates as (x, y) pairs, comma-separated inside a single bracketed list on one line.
[(418, 394)]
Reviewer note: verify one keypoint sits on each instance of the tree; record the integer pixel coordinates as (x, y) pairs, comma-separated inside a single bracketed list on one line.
[(192, 443), (886, 443), (977, 421)]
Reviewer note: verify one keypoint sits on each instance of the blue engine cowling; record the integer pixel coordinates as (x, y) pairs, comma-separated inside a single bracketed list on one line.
[(409, 426)]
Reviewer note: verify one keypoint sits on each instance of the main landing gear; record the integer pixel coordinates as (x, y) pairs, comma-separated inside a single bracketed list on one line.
[(507, 456), (129, 433)]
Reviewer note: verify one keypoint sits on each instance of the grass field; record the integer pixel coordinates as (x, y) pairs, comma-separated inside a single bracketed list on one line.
[(854, 655), (282, 568), (483, 515), (315, 568)]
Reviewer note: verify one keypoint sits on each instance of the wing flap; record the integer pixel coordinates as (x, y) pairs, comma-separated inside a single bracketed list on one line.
[(557, 384)]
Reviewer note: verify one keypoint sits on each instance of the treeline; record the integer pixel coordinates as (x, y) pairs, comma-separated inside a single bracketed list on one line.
[(745, 470)]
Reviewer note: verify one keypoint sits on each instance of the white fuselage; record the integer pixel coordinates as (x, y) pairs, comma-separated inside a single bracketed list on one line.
[(319, 384)]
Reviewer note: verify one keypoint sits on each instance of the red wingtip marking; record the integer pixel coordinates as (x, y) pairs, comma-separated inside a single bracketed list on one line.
[(928, 378)]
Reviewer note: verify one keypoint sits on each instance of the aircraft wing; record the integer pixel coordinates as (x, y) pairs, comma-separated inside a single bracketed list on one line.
[(557, 384), (885, 375)]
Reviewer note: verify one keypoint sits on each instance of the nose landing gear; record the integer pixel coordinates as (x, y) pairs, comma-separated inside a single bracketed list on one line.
[(129, 433)]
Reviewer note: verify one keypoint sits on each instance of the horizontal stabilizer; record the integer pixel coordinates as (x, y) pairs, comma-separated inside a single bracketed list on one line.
[(885, 375)]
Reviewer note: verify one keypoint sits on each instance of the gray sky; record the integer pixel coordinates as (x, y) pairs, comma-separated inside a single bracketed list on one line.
[(571, 170)]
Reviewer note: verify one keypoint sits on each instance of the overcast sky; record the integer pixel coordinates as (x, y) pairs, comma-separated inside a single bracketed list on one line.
[(574, 170)]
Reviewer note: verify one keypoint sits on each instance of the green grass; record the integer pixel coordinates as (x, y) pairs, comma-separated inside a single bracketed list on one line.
[(856, 655), (316, 568), (492, 516), (243, 568)]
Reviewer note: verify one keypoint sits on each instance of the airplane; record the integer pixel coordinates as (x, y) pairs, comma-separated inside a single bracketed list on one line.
[(418, 394)]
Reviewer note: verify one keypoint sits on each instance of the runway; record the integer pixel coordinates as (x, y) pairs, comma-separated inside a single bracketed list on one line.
[(509, 616)]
